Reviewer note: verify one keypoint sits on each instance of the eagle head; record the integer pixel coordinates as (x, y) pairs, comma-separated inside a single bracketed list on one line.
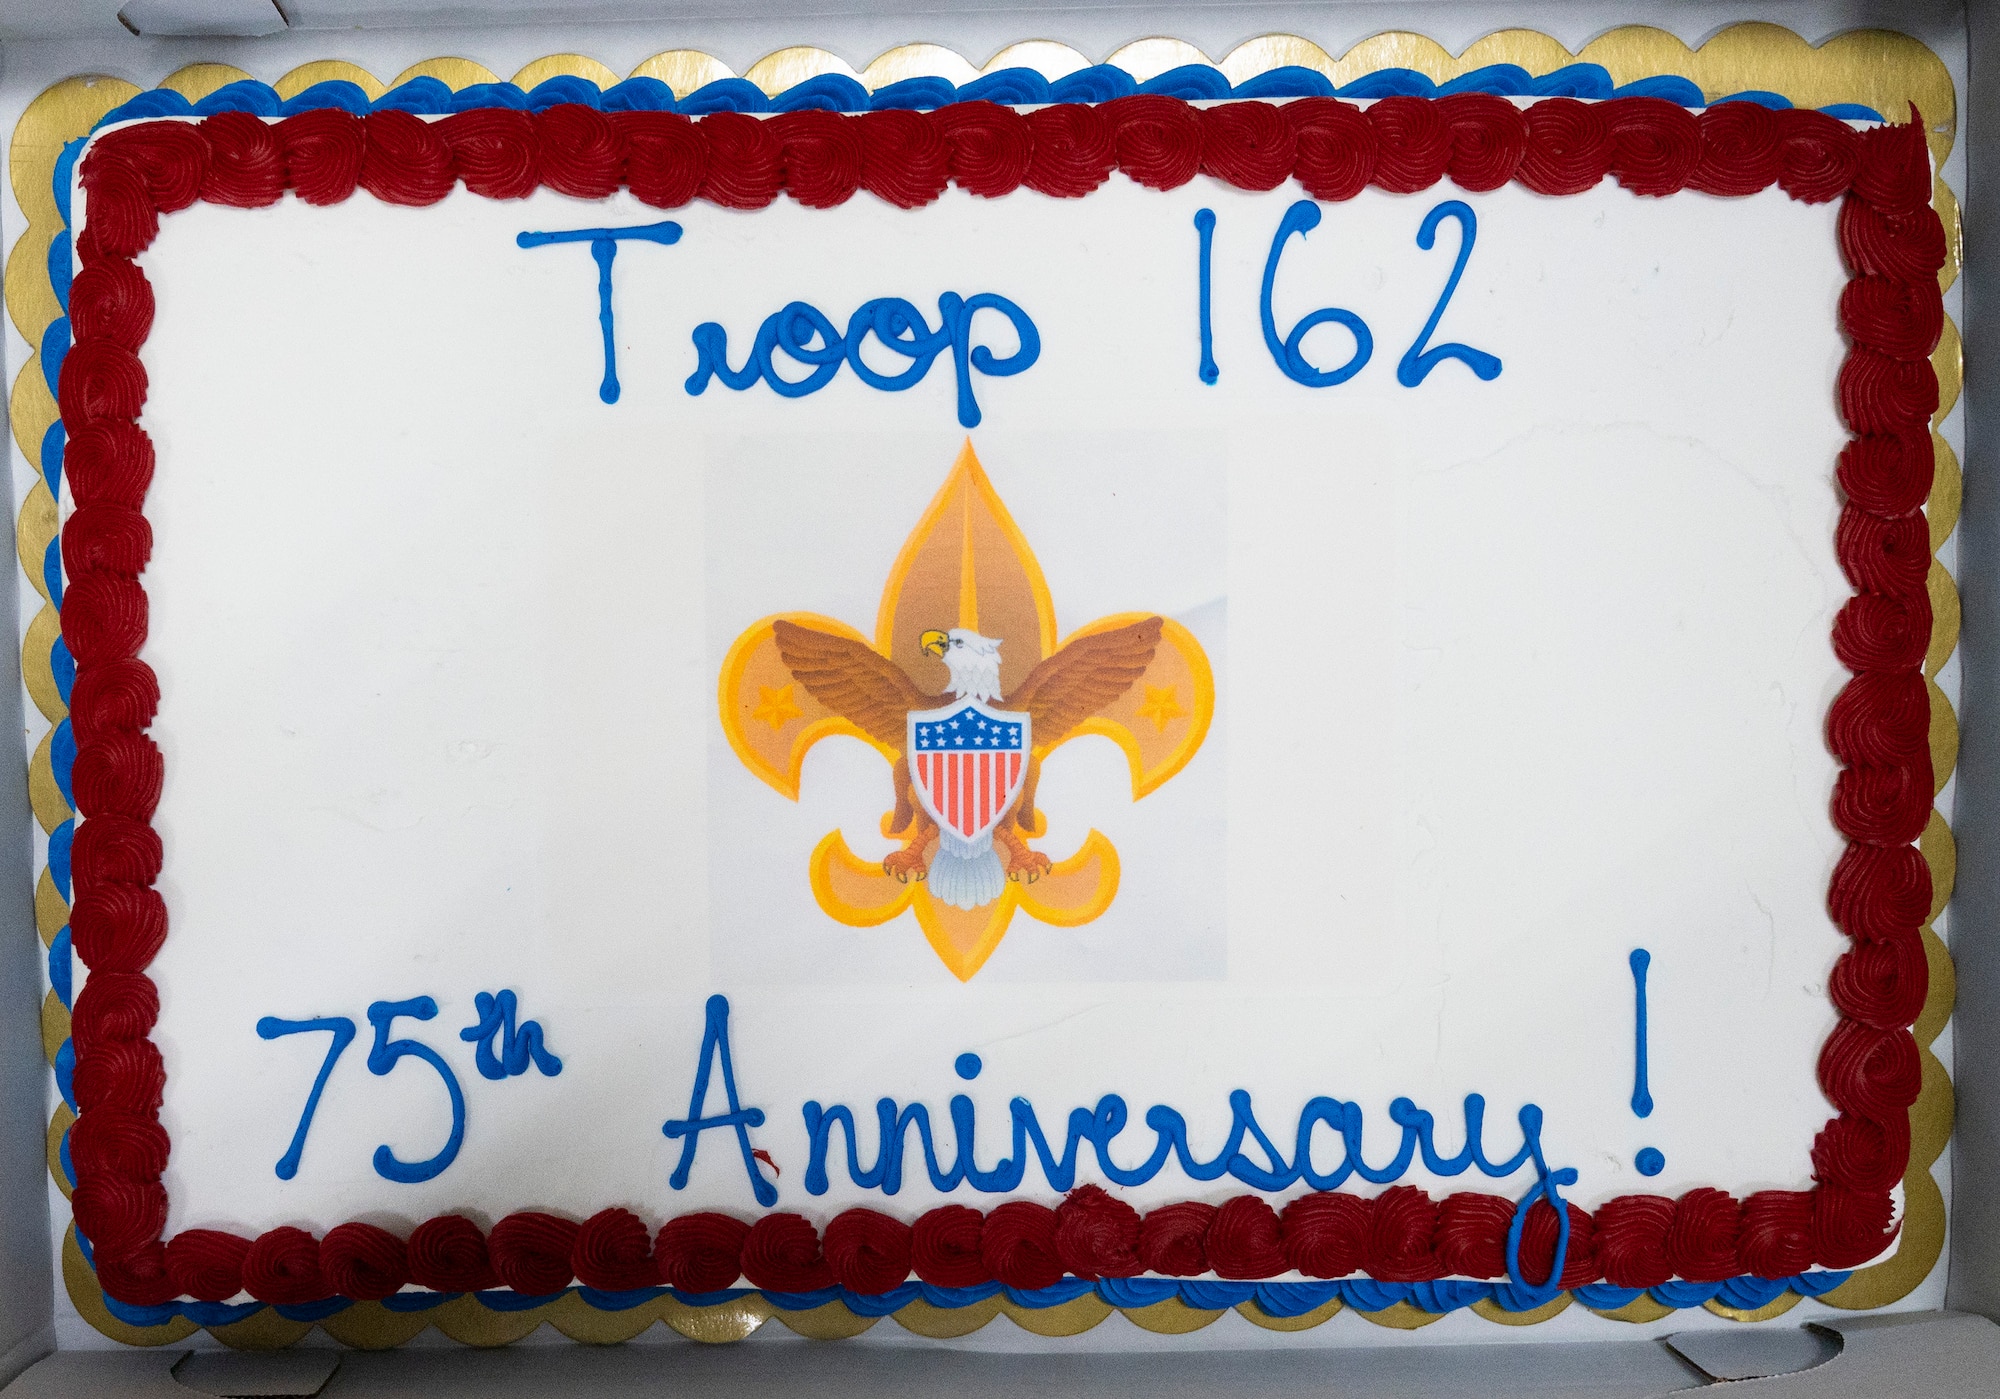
[(974, 661)]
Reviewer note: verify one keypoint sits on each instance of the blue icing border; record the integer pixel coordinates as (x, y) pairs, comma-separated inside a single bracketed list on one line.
[(837, 92)]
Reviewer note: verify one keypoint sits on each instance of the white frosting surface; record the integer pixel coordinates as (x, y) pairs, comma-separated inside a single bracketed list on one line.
[(1513, 677)]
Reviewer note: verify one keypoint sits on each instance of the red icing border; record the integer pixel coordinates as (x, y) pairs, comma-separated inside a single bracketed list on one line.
[(1880, 895)]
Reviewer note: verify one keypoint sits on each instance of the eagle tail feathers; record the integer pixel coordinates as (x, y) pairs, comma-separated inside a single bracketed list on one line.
[(966, 874)]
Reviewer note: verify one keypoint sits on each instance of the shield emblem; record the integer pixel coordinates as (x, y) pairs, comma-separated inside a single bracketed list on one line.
[(967, 764)]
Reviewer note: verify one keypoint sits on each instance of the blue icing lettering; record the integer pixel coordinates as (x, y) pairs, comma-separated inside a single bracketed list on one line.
[(714, 1047), (804, 334), (604, 251), (518, 1046)]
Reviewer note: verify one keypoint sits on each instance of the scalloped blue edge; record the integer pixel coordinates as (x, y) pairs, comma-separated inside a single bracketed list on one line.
[(1020, 87), (838, 93)]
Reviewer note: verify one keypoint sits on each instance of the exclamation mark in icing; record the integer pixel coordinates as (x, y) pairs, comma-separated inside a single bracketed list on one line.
[(1649, 1160)]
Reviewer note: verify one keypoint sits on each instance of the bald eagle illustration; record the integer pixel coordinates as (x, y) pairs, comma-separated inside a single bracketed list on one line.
[(958, 854)]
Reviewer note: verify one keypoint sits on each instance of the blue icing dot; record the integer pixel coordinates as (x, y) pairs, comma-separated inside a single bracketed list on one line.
[(425, 96), (968, 1066), (565, 89), (913, 95), (829, 92), (243, 95), (489, 95), (335, 93), (1650, 1161)]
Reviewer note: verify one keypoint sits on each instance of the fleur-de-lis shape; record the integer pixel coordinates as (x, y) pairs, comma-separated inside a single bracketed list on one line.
[(965, 575)]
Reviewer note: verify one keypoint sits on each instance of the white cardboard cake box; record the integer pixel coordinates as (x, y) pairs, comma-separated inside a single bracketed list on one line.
[(1943, 1346)]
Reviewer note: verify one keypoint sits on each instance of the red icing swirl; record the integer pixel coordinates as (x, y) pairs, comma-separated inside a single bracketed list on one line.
[(1335, 145), (582, 149), (1569, 147), (867, 1252), (1877, 631), (701, 1252), (1097, 1236), (1158, 139), (1244, 1240), (904, 158), (171, 157), (1173, 1239), (119, 776), (119, 1213), (1889, 474), (666, 158), (1401, 1223), (821, 154), (1018, 1244), (1541, 1231), (614, 1252), (111, 301), (1701, 1241), (494, 150), (1739, 149), (447, 1253), (1850, 1227), (246, 165), (745, 166), (101, 380), (1632, 1240), (115, 850), (1412, 144), (1856, 1154), (118, 927), (1880, 893), (206, 1264), (119, 697), (1488, 139), (989, 146), (1655, 145), (531, 1252), (119, 218), (116, 1142), (1883, 805), (1247, 144), (406, 161), (1817, 155), (1871, 1073), (363, 1262), (139, 1278), (945, 1247), (108, 463), (781, 1253), (1882, 717), (124, 1074), (1877, 394), (1071, 152), (1882, 984), (1774, 1236), (282, 1267), (1471, 1237), (114, 1007), (1893, 171), (1905, 247), (1902, 319), (110, 538), (1325, 1235), (323, 149)]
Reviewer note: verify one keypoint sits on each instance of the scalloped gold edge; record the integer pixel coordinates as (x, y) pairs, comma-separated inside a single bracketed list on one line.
[(1880, 68)]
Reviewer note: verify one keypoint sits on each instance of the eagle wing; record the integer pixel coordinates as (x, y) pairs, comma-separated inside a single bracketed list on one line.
[(1083, 677), (853, 680)]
